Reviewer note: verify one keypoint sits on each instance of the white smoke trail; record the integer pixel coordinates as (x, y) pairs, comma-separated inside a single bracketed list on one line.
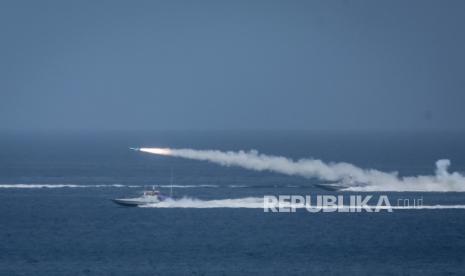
[(257, 203), (347, 175)]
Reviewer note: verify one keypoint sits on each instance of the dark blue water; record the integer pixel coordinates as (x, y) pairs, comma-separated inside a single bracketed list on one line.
[(79, 231)]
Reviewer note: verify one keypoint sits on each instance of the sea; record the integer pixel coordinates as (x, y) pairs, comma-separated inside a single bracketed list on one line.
[(57, 217)]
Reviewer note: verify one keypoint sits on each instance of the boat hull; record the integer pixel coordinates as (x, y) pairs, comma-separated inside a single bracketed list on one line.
[(132, 202), (125, 203)]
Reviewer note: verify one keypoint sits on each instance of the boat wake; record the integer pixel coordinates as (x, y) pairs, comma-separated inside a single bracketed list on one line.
[(258, 203), (55, 186), (186, 202), (199, 186)]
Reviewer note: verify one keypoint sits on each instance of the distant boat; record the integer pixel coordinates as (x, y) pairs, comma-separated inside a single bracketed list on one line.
[(148, 197), (348, 182), (329, 187)]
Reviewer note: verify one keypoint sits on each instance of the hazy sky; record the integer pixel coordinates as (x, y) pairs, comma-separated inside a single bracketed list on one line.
[(157, 65)]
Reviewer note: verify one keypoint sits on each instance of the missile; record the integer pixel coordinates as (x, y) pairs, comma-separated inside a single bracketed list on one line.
[(135, 149)]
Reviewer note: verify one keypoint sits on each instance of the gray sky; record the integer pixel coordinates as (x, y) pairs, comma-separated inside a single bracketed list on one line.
[(155, 65)]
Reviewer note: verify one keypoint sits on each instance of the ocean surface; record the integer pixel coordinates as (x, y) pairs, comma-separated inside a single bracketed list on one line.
[(57, 217)]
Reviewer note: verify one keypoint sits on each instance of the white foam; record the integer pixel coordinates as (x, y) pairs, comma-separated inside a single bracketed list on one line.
[(69, 185), (257, 203), (189, 186), (54, 186), (238, 186), (185, 202), (429, 207)]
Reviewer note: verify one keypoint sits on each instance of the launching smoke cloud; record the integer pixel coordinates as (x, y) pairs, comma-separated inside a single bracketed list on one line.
[(349, 176)]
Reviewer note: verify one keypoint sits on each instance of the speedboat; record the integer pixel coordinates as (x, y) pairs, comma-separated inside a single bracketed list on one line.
[(148, 197), (347, 182)]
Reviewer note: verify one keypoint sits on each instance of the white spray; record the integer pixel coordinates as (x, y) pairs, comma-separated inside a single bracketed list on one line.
[(258, 203)]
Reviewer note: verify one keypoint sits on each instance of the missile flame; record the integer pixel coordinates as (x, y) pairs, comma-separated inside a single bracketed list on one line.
[(159, 151)]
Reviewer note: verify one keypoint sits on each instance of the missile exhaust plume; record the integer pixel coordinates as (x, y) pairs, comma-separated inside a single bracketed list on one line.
[(159, 151), (348, 176)]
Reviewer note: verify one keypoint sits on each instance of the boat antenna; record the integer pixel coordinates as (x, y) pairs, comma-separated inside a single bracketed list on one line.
[(171, 183)]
